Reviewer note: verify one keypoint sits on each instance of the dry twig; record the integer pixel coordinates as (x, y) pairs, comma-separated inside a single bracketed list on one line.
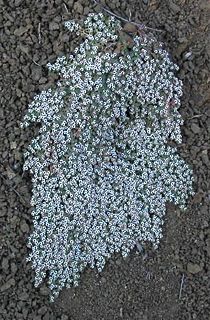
[(129, 15), (196, 116), (12, 188), (141, 26), (37, 64), (181, 287), (39, 32), (65, 7)]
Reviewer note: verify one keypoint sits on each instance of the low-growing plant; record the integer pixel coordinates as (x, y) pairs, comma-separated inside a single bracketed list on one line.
[(102, 169)]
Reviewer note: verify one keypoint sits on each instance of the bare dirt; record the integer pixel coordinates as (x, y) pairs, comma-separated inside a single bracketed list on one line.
[(168, 284)]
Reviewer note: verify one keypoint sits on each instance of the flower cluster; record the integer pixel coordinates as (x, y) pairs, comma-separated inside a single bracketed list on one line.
[(102, 167)]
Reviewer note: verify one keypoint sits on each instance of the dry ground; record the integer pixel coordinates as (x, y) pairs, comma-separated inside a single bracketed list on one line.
[(169, 284)]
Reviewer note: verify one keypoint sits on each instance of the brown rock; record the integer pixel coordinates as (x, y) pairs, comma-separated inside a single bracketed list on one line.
[(198, 197), (130, 27)]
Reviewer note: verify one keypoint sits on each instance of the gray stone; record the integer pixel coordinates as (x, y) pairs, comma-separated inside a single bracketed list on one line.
[(42, 310), (44, 291), (18, 2), (24, 227), (78, 7), (54, 26), (23, 296), (5, 264), (47, 316), (194, 268), (36, 73), (103, 280), (174, 7), (86, 10), (195, 128), (37, 318), (205, 157), (208, 247), (10, 283), (20, 31)]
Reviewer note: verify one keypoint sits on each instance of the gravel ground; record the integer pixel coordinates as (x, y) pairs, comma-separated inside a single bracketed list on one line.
[(169, 284)]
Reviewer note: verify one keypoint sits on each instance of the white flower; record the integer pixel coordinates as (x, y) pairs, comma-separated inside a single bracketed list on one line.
[(102, 168)]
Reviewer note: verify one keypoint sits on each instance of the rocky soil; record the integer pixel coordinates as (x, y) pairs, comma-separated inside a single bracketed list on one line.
[(169, 284)]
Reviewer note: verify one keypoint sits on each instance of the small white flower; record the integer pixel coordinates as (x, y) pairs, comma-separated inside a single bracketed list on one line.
[(101, 164)]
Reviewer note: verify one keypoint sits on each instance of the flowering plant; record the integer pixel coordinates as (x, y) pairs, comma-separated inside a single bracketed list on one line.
[(101, 165)]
